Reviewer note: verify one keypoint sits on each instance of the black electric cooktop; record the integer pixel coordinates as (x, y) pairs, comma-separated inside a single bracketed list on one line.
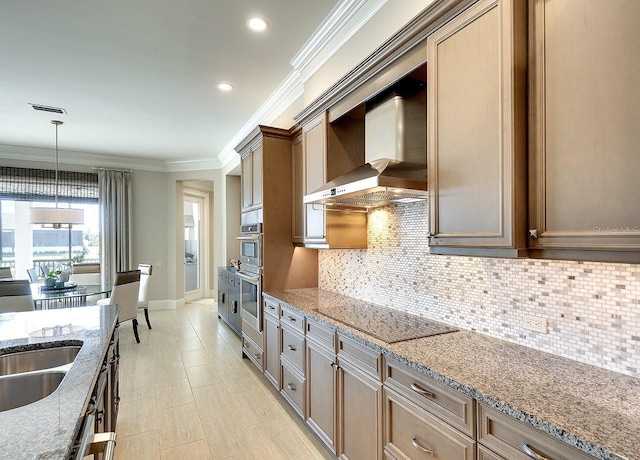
[(386, 324)]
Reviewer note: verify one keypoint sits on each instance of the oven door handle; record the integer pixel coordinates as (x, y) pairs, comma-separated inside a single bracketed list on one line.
[(254, 279), (249, 238)]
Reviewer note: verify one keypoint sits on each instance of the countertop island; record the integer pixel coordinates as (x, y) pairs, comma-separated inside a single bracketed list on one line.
[(46, 429), (595, 410)]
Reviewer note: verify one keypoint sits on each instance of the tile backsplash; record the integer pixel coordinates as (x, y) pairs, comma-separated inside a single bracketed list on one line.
[(593, 308)]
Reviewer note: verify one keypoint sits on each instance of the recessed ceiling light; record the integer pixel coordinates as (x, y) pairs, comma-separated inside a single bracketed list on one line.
[(257, 24), (225, 86)]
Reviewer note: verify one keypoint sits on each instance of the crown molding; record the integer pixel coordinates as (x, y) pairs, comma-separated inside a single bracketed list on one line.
[(344, 21), (192, 165), (21, 153)]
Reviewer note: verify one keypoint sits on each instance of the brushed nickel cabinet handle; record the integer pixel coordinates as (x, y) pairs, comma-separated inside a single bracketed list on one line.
[(418, 389), (104, 443), (291, 318), (291, 347), (527, 450), (419, 446), (257, 355), (291, 386)]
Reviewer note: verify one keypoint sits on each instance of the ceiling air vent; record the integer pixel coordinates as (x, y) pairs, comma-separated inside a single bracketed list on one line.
[(46, 108)]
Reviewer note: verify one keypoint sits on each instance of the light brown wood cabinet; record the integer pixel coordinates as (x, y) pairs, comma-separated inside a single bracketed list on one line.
[(297, 206), (514, 440), (360, 401), (251, 167), (322, 384), (477, 131), (328, 229), (584, 136), (272, 345)]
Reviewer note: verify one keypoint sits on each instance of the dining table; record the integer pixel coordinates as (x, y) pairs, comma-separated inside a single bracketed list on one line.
[(69, 295)]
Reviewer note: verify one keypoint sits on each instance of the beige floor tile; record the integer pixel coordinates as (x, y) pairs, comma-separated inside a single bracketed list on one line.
[(135, 417), (189, 344), (198, 450), (200, 376), (195, 358), (173, 393), (254, 454), (179, 425), (167, 370), (143, 446), (257, 407), (227, 435), (138, 386), (213, 400), (281, 444), (238, 381)]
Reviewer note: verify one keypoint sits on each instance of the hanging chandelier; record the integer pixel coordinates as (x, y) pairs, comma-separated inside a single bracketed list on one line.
[(56, 217)]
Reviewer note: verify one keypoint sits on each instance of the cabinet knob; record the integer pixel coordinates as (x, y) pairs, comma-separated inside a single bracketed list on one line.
[(291, 347), (533, 233), (291, 386)]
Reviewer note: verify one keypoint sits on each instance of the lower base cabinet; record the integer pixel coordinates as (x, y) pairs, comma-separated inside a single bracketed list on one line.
[(322, 385), (272, 350), (413, 433), (506, 438)]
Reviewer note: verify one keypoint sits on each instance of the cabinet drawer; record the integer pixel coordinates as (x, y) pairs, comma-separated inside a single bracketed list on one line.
[(322, 334), (486, 454), (293, 389), (413, 433), (451, 406), (256, 336), (293, 348), (292, 319), (253, 352), (272, 309), (365, 358), (510, 438)]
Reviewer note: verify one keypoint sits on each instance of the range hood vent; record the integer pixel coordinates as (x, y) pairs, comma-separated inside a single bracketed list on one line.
[(395, 152)]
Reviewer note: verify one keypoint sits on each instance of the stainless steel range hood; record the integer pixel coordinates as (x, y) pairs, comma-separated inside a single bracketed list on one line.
[(396, 156)]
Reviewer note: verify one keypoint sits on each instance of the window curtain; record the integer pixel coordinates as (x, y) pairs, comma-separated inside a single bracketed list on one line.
[(29, 184), (115, 223)]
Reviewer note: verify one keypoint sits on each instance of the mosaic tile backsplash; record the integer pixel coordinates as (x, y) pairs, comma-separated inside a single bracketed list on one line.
[(593, 309)]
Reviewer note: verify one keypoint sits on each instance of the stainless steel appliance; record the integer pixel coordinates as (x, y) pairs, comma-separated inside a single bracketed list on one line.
[(251, 244), (250, 274)]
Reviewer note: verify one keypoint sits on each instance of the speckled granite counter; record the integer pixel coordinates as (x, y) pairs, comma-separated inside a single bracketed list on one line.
[(593, 409), (46, 428)]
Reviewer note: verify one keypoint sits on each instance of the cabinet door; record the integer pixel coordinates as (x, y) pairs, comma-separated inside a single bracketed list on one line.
[(584, 136), (360, 402), (223, 295), (297, 219), (315, 149), (256, 176), (321, 392), (476, 130), (247, 180), (272, 350)]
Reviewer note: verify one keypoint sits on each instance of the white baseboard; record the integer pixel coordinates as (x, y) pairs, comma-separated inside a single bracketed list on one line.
[(165, 304)]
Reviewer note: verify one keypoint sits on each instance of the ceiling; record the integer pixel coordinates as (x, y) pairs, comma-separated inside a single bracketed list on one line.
[(138, 78)]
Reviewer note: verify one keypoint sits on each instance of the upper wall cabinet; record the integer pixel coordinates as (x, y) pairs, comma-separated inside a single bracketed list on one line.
[(297, 166), (324, 160), (584, 136), (477, 131), (252, 175)]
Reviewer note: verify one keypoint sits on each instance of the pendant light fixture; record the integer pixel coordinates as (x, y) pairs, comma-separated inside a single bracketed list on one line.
[(56, 217)]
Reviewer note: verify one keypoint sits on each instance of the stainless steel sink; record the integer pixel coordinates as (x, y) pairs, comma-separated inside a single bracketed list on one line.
[(35, 360), (22, 389)]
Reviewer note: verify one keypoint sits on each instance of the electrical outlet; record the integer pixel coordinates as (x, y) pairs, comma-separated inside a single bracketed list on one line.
[(534, 323)]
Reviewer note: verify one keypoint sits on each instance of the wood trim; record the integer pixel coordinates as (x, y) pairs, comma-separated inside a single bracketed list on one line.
[(259, 131), (410, 37)]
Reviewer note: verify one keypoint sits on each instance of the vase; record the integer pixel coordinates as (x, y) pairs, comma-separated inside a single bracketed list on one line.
[(50, 282)]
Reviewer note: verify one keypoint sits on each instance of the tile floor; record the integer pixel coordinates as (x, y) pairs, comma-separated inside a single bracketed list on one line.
[(187, 394)]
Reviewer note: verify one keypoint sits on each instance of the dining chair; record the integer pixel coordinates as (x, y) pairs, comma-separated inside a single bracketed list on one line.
[(86, 273), (5, 273), (143, 296), (125, 293), (33, 275), (15, 295)]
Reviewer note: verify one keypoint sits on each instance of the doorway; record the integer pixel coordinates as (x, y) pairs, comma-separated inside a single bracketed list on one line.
[(196, 246)]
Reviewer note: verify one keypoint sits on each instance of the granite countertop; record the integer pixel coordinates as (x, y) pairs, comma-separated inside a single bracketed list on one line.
[(585, 406), (47, 428)]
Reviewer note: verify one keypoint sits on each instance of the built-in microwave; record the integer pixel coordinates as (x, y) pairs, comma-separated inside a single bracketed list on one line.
[(251, 244)]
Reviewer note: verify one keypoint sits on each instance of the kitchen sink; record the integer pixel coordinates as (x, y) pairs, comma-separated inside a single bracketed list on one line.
[(35, 360), (22, 389)]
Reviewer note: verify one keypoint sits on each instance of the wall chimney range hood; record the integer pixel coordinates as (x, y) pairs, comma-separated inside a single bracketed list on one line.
[(395, 155)]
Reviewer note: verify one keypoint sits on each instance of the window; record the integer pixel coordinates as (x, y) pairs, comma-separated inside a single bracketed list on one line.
[(24, 245)]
